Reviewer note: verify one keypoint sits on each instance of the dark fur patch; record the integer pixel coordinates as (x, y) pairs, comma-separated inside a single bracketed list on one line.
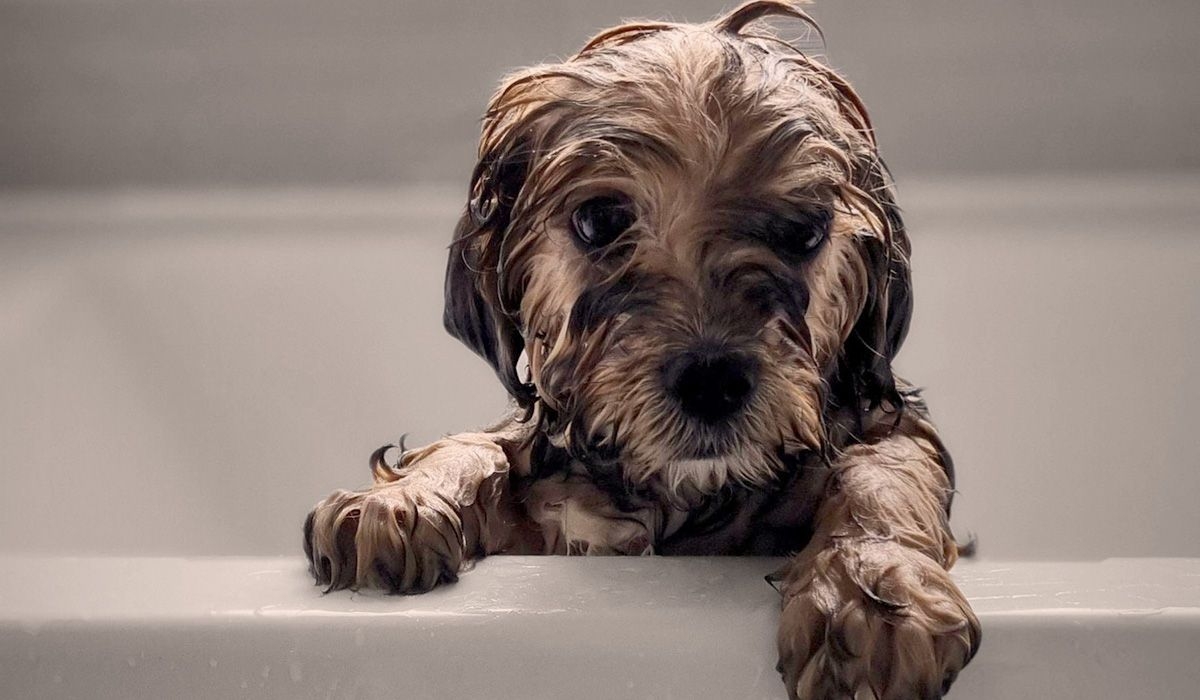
[(600, 303)]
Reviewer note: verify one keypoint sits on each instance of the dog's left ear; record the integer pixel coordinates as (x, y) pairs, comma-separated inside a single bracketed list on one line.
[(881, 328), (866, 362), (474, 310)]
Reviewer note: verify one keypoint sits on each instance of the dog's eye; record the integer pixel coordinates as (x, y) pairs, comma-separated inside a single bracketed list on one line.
[(816, 231), (598, 221), (800, 235)]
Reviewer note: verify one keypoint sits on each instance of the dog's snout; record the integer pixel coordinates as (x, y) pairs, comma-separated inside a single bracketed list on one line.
[(710, 384)]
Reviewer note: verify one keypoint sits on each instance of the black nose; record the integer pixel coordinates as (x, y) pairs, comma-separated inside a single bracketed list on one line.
[(710, 384)]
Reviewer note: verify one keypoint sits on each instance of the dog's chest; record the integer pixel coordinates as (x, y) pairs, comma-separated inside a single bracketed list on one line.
[(578, 513)]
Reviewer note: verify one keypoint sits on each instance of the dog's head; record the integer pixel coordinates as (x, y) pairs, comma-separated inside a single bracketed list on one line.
[(687, 234)]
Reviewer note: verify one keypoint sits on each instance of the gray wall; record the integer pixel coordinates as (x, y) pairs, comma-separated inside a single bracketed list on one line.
[(202, 92)]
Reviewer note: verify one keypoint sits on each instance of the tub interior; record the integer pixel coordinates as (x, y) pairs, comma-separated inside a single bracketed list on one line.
[(186, 372)]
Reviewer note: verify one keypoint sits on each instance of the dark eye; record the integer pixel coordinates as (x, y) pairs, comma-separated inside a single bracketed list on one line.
[(598, 221), (800, 235), (814, 230)]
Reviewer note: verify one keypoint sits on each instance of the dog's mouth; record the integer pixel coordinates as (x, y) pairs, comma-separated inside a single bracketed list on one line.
[(707, 444), (700, 439), (703, 452), (704, 449)]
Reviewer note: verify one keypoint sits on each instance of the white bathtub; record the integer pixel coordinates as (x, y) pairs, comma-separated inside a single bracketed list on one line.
[(530, 627), (184, 373)]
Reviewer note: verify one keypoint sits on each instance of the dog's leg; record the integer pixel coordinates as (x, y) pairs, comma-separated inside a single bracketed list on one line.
[(868, 605), (446, 504)]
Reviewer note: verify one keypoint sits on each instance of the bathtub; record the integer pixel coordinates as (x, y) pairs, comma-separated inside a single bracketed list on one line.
[(185, 373)]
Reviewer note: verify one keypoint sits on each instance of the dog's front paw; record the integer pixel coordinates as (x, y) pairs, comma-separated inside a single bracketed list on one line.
[(872, 617), (396, 537)]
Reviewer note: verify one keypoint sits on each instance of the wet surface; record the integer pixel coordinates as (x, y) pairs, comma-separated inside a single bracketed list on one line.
[(591, 627)]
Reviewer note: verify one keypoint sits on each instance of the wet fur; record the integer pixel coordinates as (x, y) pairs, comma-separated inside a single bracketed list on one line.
[(723, 135)]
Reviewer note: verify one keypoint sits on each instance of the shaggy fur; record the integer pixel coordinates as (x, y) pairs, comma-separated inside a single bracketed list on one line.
[(757, 268)]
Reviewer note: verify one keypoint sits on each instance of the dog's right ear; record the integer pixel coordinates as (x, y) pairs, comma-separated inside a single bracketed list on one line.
[(474, 311)]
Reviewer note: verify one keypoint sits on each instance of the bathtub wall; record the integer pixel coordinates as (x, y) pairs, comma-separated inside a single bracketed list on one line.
[(188, 373)]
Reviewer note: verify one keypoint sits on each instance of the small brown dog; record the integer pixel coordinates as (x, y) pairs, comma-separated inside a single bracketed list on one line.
[(687, 233)]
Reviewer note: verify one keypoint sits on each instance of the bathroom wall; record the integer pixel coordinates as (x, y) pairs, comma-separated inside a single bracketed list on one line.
[(101, 93)]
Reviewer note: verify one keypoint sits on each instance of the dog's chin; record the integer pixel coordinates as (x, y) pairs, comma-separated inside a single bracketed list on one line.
[(702, 474), (705, 475)]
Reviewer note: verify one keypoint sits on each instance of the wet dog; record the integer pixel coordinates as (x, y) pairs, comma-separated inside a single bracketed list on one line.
[(682, 256)]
